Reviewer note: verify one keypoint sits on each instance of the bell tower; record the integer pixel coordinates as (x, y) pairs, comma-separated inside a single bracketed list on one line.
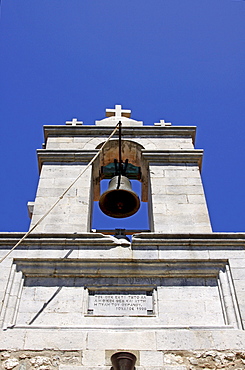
[(170, 297), (162, 157)]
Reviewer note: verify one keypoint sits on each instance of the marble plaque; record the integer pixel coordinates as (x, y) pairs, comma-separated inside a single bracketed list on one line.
[(120, 304)]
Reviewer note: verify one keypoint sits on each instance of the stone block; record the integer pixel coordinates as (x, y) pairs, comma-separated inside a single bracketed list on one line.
[(61, 139), (32, 307), (151, 358), (173, 219), (61, 182), (55, 339), (51, 146), (183, 189), (169, 199), (173, 223), (12, 339), (56, 192), (176, 166), (146, 253), (95, 141), (234, 340), (201, 228), (93, 358), (237, 263), (158, 189), (196, 199), (223, 253), (194, 181), (183, 254), (125, 340), (46, 182), (159, 208), (67, 252), (61, 228), (79, 219), (156, 171), (200, 339), (118, 252), (58, 171), (201, 218), (183, 339), (181, 181), (238, 273), (190, 305), (181, 209), (181, 173), (165, 144), (239, 286)]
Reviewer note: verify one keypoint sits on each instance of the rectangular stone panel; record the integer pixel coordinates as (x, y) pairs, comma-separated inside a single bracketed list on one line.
[(183, 294), (127, 304)]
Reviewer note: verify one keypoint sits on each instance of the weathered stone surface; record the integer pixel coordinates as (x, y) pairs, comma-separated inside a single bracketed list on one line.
[(10, 363), (129, 340), (151, 358), (72, 214), (41, 363), (100, 360), (93, 358)]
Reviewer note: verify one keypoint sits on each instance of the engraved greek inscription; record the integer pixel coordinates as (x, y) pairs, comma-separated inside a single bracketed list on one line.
[(125, 304)]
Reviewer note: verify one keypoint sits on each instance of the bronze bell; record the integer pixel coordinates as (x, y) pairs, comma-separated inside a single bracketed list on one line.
[(119, 200), (123, 361)]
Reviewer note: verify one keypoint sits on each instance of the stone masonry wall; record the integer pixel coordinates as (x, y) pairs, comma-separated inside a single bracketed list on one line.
[(89, 360), (72, 214), (178, 200)]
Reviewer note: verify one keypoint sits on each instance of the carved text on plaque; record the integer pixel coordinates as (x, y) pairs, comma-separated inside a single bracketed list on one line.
[(120, 304)]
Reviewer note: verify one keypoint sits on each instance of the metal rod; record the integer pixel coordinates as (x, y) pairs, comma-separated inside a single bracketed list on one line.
[(120, 147), (120, 154)]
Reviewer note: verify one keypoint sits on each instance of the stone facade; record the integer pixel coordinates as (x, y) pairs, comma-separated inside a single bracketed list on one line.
[(153, 360), (174, 296)]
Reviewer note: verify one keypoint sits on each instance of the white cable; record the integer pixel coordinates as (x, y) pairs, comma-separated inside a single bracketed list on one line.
[(62, 195)]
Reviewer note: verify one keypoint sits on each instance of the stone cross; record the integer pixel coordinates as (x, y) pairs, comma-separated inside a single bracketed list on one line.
[(162, 123), (74, 122), (118, 112)]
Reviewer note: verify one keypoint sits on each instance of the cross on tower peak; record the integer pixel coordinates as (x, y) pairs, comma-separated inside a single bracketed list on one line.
[(74, 122), (162, 123), (118, 112)]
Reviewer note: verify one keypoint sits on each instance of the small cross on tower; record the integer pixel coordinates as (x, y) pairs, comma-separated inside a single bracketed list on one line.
[(162, 123), (74, 122), (118, 112)]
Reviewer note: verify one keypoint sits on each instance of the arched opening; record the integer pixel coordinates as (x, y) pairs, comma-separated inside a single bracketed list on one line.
[(104, 170)]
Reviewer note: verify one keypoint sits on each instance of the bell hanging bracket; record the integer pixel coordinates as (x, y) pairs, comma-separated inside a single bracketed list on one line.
[(119, 200)]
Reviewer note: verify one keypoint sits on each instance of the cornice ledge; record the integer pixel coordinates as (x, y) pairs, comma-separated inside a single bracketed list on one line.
[(163, 156), (202, 239), (124, 268), (174, 156), (92, 130), (53, 239), (66, 156)]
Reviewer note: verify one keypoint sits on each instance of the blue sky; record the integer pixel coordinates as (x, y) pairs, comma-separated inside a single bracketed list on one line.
[(178, 60)]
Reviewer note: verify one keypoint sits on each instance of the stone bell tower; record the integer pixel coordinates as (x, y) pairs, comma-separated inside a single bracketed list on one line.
[(171, 298), (162, 157)]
